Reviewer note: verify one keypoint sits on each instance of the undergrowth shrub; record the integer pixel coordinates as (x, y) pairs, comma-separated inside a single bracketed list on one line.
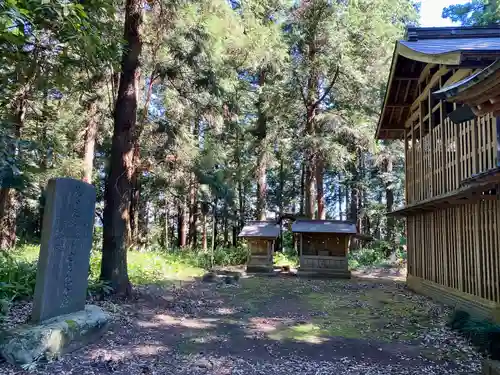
[(18, 269), (286, 258), (365, 257), (17, 279)]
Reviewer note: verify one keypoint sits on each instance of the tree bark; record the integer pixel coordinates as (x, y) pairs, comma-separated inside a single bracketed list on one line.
[(118, 190), (204, 232), (261, 186), (181, 224), (320, 196), (165, 235), (310, 131), (214, 229), (89, 138), (339, 200), (8, 196), (302, 189), (309, 188), (193, 213), (261, 133)]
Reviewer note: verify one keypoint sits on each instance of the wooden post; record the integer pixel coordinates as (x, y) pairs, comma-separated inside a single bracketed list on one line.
[(413, 163), (498, 141), (406, 165), (431, 132)]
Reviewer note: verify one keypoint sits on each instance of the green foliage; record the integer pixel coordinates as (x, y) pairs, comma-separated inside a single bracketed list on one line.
[(17, 278), (379, 253), (474, 13), (286, 259), (18, 269), (365, 257)]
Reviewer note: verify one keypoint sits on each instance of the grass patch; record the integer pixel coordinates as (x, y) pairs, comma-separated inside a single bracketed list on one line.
[(18, 271), (335, 308)]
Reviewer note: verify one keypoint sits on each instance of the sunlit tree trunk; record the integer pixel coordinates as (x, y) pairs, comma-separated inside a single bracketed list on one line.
[(8, 196), (320, 196), (261, 133), (118, 190), (89, 137)]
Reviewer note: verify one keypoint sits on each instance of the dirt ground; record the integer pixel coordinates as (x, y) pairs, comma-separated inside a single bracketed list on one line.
[(272, 325)]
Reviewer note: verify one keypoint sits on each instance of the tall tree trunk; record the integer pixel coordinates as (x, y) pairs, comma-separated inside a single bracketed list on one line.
[(339, 199), (389, 198), (142, 223), (181, 224), (302, 188), (165, 235), (135, 204), (193, 213), (261, 186), (214, 228), (309, 188), (135, 197), (320, 196), (118, 190), (310, 131), (8, 196), (235, 231), (261, 133), (204, 232), (89, 138)]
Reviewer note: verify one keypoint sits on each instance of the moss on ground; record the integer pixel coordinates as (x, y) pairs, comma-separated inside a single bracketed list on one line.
[(346, 308)]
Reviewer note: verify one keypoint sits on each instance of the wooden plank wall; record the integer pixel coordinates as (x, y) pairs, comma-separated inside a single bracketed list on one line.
[(458, 152), (458, 247)]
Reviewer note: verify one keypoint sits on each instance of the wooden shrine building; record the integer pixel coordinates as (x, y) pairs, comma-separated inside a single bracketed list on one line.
[(442, 100), (323, 246), (260, 237)]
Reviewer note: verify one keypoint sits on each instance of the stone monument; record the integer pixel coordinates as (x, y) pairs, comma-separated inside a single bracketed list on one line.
[(60, 320)]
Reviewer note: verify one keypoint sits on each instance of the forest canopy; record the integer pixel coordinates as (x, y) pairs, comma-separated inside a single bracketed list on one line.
[(193, 117)]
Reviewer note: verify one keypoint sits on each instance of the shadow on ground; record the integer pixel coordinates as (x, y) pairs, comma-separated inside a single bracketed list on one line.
[(276, 325)]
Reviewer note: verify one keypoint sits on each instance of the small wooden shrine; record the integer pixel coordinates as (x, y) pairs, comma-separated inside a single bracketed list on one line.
[(323, 246), (260, 237)]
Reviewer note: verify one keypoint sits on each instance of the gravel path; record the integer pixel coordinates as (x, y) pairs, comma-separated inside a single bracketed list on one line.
[(269, 326)]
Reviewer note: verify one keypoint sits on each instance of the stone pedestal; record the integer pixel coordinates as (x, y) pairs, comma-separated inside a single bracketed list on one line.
[(53, 337), (61, 321)]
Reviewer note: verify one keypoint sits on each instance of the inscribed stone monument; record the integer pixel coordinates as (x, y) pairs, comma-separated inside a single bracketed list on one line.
[(63, 264)]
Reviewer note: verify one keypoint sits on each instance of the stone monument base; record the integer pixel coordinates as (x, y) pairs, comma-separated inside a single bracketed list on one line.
[(53, 337)]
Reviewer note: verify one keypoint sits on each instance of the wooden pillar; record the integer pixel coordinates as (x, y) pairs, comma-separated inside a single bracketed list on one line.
[(431, 132), (422, 190), (498, 140), (406, 164), (413, 164)]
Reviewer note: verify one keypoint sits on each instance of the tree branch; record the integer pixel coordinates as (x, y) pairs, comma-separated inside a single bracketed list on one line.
[(304, 100), (329, 88)]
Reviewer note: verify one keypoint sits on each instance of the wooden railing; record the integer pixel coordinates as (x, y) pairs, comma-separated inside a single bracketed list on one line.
[(448, 154)]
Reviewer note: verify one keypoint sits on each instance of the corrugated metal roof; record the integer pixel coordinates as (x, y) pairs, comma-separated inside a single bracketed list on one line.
[(453, 46), (323, 226), (442, 46), (267, 229)]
